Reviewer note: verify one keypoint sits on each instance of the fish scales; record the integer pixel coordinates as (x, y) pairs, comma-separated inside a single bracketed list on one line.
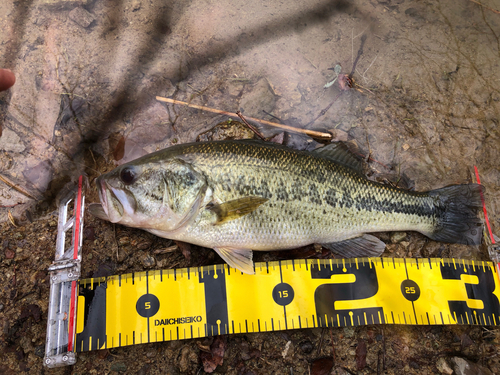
[(238, 196), (311, 199)]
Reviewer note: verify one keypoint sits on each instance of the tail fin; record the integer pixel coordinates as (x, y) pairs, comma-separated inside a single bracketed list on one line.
[(456, 213)]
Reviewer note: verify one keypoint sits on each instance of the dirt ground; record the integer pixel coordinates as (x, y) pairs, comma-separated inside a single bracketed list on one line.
[(425, 105)]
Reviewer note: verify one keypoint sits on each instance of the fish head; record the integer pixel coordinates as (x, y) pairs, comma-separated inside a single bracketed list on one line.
[(159, 195)]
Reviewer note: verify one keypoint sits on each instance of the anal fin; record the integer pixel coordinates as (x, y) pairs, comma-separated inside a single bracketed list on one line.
[(241, 259), (362, 246), (236, 208)]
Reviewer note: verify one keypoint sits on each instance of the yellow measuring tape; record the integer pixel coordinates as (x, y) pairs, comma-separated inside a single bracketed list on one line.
[(187, 303)]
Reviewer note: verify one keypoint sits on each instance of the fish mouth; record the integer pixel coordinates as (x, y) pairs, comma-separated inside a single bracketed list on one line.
[(101, 189), (110, 203)]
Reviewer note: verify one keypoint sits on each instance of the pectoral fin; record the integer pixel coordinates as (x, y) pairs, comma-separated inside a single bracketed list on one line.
[(236, 208), (241, 259), (97, 210), (363, 246)]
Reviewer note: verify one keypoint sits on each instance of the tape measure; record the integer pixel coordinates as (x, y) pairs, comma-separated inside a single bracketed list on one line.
[(196, 302), (188, 303)]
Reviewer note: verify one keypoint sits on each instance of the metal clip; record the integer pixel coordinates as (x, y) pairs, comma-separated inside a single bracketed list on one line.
[(64, 273)]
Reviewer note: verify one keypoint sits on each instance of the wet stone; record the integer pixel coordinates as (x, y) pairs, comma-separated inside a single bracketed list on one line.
[(259, 98), (235, 89), (465, 367), (64, 3), (11, 142), (81, 17)]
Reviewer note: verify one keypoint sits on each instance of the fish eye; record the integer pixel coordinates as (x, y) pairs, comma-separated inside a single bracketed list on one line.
[(128, 175)]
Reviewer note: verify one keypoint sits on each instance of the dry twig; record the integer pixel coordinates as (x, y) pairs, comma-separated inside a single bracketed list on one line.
[(487, 7), (11, 219), (166, 250), (311, 133), (256, 132), (6, 181)]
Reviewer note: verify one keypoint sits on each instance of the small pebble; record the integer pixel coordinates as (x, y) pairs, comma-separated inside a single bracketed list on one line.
[(123, 241), (306, 346), (443, 366), (119, 366), (81, 16), (148, 261), (136, 5), (397, 237), (349, 332), (40, 351), (414, 365)]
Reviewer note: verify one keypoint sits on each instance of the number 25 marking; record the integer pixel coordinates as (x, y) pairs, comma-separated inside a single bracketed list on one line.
[(410, 290)]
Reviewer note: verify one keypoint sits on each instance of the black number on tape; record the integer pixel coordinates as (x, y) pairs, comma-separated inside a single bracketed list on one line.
[(326, 295), (147, 305), (482, 291), (283, 294), (410, 290)]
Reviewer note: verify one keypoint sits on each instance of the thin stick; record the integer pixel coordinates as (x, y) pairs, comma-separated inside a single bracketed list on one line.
[(166, 250), (6, 181), (493, 10), (311, 133), (250, 126), (11, 218)]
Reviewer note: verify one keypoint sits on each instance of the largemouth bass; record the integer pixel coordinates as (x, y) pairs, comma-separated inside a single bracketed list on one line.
[(239, 196)]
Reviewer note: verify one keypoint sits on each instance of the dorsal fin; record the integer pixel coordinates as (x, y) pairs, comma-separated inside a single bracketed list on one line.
[(339, 153)]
